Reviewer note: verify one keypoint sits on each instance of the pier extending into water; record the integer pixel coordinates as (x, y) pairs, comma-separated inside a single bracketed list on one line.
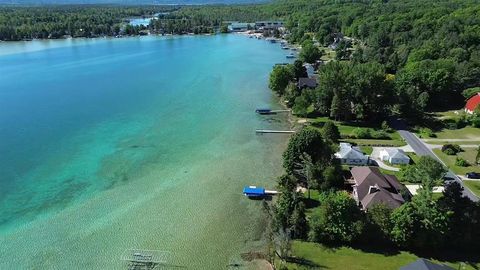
[(261, 131)]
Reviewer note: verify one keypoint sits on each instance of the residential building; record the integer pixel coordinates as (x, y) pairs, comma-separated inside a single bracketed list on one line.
[(268, 25), (394, 156), (240, 27), (472, 103), (351, 155), (372, 187), (307, 83), (424, 264)]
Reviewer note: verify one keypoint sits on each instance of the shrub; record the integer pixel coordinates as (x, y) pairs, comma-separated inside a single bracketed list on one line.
[(386, 127), (362, 133), (380, 134), (426, 132), (451, 149), (459, 161)]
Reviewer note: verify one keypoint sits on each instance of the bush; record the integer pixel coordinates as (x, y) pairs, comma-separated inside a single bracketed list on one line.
[(426, 132), (386, 127), (451, 149), (362, 133), (380, 134), (459, 161)]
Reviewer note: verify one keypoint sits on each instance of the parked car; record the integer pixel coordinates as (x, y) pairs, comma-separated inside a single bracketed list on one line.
[(473, 175)]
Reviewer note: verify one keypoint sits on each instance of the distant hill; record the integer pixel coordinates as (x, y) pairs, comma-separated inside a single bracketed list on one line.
[(128, 2)]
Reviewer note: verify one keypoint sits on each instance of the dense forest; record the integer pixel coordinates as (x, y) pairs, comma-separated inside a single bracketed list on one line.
[(20, 23), (407, 56)]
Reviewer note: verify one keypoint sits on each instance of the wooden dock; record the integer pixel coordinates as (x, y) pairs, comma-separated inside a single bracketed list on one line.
[(274, 131), (280, 111)]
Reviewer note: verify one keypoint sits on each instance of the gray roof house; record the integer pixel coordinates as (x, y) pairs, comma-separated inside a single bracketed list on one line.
[(372, 187), (394, 156), (424, 264), (306, 83), (351, 155)]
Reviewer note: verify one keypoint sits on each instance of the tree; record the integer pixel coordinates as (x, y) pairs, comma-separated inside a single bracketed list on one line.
[(420, 224), (301, 105), (279, 79), (306, 169), (426, 169), (337, 220), (224, 29), (299, 70), (310, 141), (379, 221), (330, 132), (298, 221), (309, 53)]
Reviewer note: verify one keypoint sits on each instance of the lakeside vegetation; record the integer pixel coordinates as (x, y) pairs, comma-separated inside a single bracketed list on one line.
[(392, 59)]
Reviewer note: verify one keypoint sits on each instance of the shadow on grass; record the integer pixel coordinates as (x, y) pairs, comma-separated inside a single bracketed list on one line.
[(310, 203), (305, 262)]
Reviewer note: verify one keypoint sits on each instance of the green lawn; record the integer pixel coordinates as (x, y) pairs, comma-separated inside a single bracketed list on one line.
[(474, 186), (463, 133), (346, 130), (316, 256), (446, 141), (468, 154)]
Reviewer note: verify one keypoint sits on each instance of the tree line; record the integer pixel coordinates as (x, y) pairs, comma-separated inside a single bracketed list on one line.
[(407, 56)]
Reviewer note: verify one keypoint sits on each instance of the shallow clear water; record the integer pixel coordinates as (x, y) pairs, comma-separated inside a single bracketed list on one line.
[(111, 144)]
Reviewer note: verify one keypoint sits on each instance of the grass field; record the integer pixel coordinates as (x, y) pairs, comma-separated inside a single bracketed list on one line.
[(346, 130), (468, 154), (315, 256), (463, 133), (474, 186)]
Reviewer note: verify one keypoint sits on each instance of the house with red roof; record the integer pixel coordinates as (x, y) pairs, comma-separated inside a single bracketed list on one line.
[(472, 103)]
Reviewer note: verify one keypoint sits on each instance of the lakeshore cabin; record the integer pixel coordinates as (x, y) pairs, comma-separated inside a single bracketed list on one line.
[(351, 155), (394, 156), (306, 83), (472, 103), (372, 187)]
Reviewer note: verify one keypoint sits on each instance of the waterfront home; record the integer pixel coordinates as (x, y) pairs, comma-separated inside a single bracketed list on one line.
[(268, 25), (394, 156), (372, 187), (307, 83), (351, 155), (240, 27)]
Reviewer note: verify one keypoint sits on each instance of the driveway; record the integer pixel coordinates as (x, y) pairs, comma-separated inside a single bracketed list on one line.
[(421, 149)]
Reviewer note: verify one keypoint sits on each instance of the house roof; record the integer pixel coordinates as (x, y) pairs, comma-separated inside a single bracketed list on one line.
[(307, 82), (374, 187), (382, 195), (473, 102), (347, 151), (396, 153), (424, 264)]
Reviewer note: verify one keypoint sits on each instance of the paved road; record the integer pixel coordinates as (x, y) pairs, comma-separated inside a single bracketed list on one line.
[(422, 150)]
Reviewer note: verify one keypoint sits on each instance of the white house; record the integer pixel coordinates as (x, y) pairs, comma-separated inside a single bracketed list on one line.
[(351, 155), (394, 156)]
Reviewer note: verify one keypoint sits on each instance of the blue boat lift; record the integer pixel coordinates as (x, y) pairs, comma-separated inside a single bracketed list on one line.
[(258, 192)]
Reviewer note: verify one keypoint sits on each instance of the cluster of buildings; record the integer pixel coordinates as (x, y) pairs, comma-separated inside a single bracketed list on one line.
[(352, 155), (260, 26), (369, 185)]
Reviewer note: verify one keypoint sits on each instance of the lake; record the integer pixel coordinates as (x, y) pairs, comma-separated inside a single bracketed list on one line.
[(144, 142)]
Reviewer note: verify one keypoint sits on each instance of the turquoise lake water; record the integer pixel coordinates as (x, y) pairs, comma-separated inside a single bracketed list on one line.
[(113, 144)]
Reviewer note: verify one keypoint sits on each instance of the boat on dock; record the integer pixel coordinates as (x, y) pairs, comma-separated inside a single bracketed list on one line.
[(263, 111), (291, 55)]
